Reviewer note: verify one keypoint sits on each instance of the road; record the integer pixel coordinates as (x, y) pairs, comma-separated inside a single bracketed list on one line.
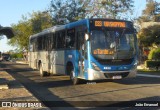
[(55, 91)]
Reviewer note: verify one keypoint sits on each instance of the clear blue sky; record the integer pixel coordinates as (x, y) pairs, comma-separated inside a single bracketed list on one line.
[(11, 12)]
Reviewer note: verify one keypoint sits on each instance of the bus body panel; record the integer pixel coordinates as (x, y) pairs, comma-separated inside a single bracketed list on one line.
[(32, 60), (72, 56), (59, 62)]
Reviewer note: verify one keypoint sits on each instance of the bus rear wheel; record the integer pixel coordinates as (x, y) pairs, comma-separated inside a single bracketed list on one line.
[(73, 77)]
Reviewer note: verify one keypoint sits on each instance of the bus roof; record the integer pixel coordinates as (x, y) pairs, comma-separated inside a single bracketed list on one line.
[(73, 24), (49, 30)]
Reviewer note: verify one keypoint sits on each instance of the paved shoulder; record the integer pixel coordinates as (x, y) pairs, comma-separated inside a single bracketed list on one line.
[(148, 75), (14, 92)]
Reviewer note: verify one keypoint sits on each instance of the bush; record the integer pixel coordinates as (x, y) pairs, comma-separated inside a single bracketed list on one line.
[(17, 55), (154, 54), (152, 64), (151, 54)]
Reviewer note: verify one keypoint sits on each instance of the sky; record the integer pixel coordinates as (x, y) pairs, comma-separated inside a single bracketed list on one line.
[(11, 12)]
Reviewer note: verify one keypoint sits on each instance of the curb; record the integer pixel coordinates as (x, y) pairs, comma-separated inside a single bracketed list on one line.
[(147, 75)]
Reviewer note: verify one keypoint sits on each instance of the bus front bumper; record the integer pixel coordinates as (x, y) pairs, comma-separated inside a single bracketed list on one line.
[(97, 75)]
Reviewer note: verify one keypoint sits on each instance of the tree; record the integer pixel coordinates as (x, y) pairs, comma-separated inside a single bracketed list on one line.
[(151, 12), (22, 30), (65, 11), (27, 27), (150, 35), (111, 8), (40, 21)]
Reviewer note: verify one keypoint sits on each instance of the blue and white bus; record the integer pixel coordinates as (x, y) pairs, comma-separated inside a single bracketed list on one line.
[(89, 49)]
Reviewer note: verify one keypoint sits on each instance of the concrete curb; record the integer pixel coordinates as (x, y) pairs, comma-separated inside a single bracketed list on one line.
[(147, 75)]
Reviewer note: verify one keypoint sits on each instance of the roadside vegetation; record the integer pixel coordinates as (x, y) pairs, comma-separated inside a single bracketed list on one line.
[(149, 37)]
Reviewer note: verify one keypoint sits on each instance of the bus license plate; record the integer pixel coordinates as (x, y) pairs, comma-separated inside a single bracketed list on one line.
[(117, 77)]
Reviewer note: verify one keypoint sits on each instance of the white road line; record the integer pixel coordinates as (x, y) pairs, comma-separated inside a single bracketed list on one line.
[(147, 75)]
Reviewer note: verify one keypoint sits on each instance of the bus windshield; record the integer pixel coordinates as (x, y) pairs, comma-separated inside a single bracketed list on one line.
[(113, 44)]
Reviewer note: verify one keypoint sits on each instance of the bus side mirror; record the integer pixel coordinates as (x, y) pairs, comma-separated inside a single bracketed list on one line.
[(86, 36)]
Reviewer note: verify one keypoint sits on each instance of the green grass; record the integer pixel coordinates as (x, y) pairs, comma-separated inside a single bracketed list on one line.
[(146, 70)]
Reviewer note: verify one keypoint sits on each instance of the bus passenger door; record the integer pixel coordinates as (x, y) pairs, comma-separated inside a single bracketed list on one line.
[(80, 39)]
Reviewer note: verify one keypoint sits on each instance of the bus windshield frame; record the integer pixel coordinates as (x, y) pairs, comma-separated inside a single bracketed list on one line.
[(113, 43)]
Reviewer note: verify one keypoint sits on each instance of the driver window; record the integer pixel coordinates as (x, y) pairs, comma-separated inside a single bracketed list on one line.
[(70, 38)]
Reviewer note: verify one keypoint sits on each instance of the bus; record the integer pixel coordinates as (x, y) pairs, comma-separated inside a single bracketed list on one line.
[(88, 49)]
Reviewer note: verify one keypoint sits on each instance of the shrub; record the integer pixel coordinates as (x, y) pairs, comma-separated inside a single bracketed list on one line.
[(152, 64), (17, 55), (157, 54), (154, 54)]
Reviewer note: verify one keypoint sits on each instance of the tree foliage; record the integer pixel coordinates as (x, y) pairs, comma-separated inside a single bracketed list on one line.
[(151, 12), (40, 21), (149, 35), (65, 11), (71, 10), (27, 27)]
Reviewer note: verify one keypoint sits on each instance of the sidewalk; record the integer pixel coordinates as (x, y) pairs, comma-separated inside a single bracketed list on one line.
[(13, 92)]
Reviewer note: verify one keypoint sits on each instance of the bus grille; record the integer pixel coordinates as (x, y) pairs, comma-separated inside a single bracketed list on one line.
[(110, 75), (116, 62)]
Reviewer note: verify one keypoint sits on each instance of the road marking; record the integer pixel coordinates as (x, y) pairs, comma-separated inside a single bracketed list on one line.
[(147, 75)]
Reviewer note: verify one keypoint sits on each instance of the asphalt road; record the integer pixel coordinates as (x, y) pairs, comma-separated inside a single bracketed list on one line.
[(56, 91)]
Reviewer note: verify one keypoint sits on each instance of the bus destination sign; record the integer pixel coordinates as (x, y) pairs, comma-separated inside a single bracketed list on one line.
[(114, 24)]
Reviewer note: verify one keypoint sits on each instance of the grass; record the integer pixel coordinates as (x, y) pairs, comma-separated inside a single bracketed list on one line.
[(146, 70)]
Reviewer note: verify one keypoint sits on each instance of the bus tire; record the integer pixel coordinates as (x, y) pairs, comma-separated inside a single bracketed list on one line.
[(42, 73), (73, 78)]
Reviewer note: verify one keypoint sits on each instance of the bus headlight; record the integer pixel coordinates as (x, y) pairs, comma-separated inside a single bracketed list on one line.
[(135, 63), (95, 67), (134, 67)]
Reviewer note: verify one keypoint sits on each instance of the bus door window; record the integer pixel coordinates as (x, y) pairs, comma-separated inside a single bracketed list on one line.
[(70, 39), (80, 39), (81, 48)]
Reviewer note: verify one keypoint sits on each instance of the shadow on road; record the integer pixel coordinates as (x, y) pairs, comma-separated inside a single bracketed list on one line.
[(40, 88)]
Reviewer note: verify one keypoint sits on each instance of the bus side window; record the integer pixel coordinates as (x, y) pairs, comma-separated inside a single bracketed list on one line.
[(49, 42), (60, 40), (80, 39), (44, 42), (53, 41), (31, 45), (70, 38), (39, 42)]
